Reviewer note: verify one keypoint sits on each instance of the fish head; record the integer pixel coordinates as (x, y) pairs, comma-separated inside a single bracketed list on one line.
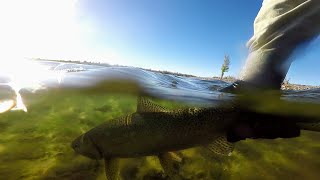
[(84, 146)]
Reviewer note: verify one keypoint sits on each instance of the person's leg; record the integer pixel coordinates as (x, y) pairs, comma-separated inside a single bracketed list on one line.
[(279, 28)]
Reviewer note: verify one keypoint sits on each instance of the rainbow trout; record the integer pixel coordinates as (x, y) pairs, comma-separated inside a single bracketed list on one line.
[(154, 130)]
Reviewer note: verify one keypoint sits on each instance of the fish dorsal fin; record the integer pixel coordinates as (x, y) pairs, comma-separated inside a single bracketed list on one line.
[(221, 146), (144, 105)]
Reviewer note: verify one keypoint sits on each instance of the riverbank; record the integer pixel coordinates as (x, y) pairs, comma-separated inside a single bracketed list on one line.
[(286, 85), (297, 87)]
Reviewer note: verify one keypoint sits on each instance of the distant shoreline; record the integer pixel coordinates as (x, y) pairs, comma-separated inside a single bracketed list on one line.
[(77, 62), (230, 79)]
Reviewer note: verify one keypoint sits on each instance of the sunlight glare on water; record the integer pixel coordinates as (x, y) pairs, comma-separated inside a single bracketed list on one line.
[(33, 29), (6, 105), (23, 74)]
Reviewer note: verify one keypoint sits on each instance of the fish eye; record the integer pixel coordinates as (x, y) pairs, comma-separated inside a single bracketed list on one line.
[(76, 145)]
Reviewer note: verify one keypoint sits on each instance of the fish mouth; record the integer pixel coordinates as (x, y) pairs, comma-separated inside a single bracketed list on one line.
[(88, 147), (76, 143)]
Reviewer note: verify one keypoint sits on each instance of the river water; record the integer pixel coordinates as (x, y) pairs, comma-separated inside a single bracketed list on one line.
[(69, 99)]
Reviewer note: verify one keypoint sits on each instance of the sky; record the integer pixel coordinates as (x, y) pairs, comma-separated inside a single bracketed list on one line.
[(186, 36)]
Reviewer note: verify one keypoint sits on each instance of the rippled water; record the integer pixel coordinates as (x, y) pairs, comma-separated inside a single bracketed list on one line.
[(36, 144), (158, 84)]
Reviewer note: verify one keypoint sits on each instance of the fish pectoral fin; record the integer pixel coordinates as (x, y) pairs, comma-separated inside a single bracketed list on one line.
[(112, 168), (221, 146), (170, 163), (144, 105)]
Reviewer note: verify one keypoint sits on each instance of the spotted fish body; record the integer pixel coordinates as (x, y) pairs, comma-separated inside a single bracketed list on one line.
[(154, 130), (149, 133)]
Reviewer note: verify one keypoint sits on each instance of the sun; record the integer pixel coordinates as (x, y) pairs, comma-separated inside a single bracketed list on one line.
[(34, 28)]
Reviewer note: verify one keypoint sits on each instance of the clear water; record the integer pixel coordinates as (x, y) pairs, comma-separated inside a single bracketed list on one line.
[(36, 144)]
